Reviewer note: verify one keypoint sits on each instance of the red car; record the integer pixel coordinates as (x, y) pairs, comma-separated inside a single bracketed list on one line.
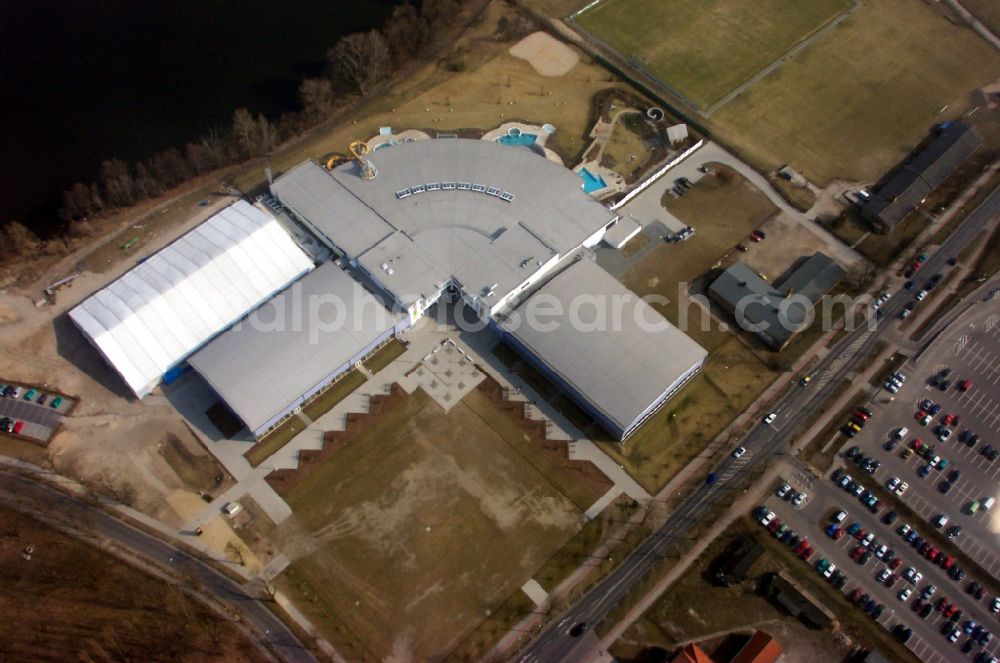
[(943, 604), (861, 415), (916, 444), (965, 385), (774, 525), (802, 546), (840, 532), (860, 534), (948, 562), (950, 419), (932, 554), (806, 554), (18, 425), (896, 563), (857, 553)]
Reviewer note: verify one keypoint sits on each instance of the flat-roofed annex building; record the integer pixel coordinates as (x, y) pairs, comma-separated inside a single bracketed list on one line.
[(149, 320), (485, 218), (613, 353), (294, 346)]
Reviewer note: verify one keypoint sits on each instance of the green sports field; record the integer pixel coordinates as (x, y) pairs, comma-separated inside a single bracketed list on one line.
[(705, 48)]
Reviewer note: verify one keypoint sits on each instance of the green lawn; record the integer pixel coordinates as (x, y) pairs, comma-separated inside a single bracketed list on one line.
[(855, 102), (275, 440), (338, 392), (385, 355), (706, 48)]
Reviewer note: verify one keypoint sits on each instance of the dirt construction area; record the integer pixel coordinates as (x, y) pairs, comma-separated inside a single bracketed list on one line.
[(408, 536)]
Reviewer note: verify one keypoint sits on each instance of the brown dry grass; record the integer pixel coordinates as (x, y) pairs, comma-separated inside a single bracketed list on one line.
[(856, 101), (415, 528), (66, 603)]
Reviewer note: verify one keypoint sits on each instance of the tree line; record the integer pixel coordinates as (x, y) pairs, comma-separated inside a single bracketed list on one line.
[(356, 64)]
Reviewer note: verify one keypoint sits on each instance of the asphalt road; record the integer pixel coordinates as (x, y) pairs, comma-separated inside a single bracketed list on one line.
[(794, 412), (200, 576)]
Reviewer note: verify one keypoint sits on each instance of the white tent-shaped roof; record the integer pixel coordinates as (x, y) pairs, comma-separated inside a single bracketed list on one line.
[(165, 308)]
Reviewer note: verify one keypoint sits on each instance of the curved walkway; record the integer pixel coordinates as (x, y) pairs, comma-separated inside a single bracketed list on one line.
[(649, 200)]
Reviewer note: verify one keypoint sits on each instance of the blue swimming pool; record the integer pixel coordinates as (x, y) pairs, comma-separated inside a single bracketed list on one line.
[(591, 182), (518, 139)]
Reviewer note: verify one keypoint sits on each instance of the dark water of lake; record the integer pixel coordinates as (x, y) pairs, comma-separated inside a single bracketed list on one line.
[(87, 80)]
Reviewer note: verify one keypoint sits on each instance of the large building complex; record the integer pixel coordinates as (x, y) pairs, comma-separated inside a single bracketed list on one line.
[(152, 318), (497, 225), (485, 218)]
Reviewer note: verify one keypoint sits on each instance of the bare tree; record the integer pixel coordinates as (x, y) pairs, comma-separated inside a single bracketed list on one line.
[(77, 203), (316, 95), (362, 59), (267, 136), (405, 32), (244, 132), (118, 183), (18, 239)]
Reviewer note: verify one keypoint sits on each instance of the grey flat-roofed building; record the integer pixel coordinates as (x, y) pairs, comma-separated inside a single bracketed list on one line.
[(620, 368), (775, 313), (488, 217), (272, 362), (923, 174)]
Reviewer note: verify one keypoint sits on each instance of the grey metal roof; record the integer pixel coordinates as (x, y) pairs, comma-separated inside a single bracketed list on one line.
[(618, 365), (772, 308), (312, 193), (280, 351), (529, 211), (814, 278), (925, 172)]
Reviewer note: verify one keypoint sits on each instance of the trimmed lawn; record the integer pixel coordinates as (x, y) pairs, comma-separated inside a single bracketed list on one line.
[(338, 392), (385, 355), (417, 529), (855, 102), (706, 48), (275, 440)]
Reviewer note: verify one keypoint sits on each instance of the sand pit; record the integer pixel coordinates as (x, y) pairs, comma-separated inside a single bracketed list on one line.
[(548, 55)]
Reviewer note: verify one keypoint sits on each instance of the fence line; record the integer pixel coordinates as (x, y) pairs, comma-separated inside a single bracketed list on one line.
[(658, 174)]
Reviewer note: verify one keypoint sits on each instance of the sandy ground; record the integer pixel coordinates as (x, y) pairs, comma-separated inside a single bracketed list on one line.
[(110, 438), (548, 55)]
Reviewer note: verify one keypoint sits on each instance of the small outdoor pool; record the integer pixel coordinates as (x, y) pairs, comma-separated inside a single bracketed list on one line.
[(518, 139), (591, 182)]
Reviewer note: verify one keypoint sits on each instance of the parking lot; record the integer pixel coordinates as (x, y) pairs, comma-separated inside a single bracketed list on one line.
[(929, 639), (969, 351), (40, 419)]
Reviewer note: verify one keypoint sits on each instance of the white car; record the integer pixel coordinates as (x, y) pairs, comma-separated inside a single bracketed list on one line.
[(883, 575), (867, 541), (829, 571), (921, 295), (995, 606), (783, 491), (799, 500), (768, 517), (892, 483), (881, 551), (739, 451), (902, 488), (905, 594), (771, 417), (926, 419)]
